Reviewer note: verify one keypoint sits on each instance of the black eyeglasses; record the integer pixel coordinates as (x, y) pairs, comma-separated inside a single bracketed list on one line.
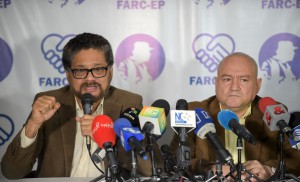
[(98, 72)]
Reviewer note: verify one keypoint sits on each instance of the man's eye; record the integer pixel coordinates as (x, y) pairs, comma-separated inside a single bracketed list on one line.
[(79, 71), (226, 79), (99, 69)]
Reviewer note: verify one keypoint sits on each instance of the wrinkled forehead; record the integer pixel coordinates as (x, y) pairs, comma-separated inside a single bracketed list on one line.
[(238, 64)]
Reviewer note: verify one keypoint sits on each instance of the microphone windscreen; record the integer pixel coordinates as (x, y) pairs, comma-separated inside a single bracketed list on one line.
[(225, 116), (161, 103), (181, 104), (294, 120), (132, 114), (119, 124), (102, 130), (87, 101), (264, 102), (87, 98)]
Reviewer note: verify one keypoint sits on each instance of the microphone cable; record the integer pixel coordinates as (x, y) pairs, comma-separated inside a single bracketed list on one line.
[(88, 146)]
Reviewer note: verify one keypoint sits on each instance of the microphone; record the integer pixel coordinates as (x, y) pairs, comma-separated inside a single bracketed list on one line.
[(161, 103), (276, 117), (87, 101), (294, 119), (230, 121), (130, 137), (168, 158), (206, 129), (105, 137), (153, 118), (295, 124), (182, 119), (132, 114)]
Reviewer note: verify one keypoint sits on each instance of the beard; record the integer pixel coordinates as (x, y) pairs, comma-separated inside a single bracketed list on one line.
[(96, 98)]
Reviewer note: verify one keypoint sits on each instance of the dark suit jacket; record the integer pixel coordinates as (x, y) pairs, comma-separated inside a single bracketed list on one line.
[(266, 150), (55, 142)]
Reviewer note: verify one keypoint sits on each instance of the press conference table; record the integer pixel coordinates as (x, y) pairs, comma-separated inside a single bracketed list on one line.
[(65, 179), (60, 179)]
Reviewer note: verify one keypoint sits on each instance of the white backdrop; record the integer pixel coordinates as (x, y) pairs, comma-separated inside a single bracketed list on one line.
[(181, 42)]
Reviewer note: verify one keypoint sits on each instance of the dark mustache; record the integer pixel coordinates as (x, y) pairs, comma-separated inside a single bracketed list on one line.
[(88, 84)]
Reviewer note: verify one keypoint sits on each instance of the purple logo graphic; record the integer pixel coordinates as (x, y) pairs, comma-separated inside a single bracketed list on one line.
[(210, 50), (6, 128), (210, 3), (6, 59), (52, 47), (140, 58), (63, 3), (279, 58)]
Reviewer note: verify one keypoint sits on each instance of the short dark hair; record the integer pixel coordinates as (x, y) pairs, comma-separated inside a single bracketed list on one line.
[(86, 41)]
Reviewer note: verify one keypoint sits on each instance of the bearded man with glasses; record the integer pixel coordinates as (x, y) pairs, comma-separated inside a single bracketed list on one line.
[(55, 131)]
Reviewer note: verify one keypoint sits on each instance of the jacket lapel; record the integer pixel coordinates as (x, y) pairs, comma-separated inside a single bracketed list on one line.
[(110, 106)]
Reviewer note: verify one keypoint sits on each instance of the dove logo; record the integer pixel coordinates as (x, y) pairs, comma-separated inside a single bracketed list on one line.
[(140, 59), (6, 59), (7, 128)]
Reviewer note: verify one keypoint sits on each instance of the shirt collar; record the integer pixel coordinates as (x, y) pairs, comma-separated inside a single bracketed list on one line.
[(247, 113)]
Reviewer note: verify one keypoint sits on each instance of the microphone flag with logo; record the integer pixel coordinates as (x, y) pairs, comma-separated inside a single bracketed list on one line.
[(130, 137), (132, 114), (276, 117), (182, 118), (105, 137), (156, 116)]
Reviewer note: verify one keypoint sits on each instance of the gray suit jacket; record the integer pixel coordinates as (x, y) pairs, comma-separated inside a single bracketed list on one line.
[(55, 142)]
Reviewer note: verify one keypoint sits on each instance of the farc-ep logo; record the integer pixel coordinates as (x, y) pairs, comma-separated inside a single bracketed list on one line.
[(140, 58), (6, 59)]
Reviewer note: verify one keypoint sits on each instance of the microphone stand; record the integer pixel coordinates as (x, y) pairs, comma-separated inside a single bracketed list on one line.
[(134, 168), (183, 159), (112, 174), (106, 175), (150, 141), (239, 166), (219, 173), (280, 171), (112, 170)]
